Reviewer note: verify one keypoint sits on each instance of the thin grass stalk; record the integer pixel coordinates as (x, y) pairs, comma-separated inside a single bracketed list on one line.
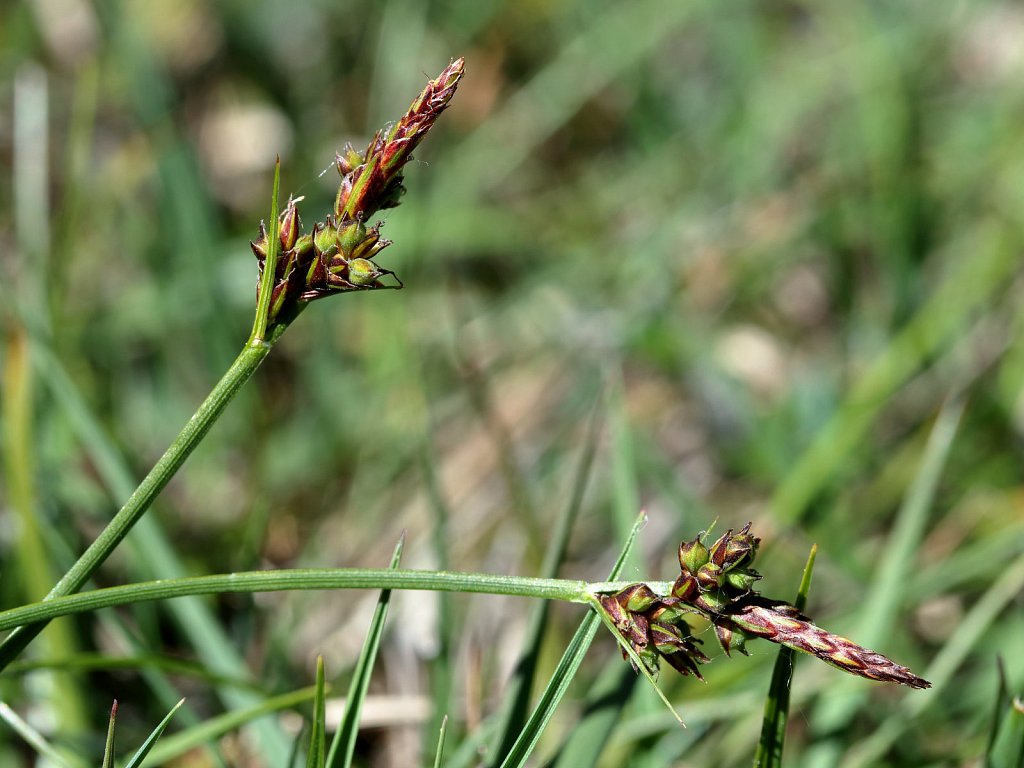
[(193, 433), (301, 579)]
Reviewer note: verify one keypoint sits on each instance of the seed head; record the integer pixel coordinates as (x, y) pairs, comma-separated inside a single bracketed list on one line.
[(718, 583), (784, 625), (337, 256)]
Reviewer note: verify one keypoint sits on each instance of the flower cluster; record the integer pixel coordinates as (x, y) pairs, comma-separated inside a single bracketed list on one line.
[(716, 583), (337, 256)]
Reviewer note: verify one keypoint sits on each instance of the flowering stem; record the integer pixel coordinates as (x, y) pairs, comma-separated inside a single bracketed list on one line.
[(35, 614), (335, 258), (241, 369)]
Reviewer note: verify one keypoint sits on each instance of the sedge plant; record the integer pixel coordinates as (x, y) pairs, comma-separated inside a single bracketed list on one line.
[(654, 621), (336, 257)]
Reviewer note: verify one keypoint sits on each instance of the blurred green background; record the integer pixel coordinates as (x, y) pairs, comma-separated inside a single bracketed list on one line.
[(775, 246)]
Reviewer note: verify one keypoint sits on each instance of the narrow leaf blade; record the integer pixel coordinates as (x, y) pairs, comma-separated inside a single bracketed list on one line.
[(318, 733), (209, 731), (136, 760), (108, 748), (517, 699), (776, 705), (440, 742), (565, 671), (343, 744), (32, 737)]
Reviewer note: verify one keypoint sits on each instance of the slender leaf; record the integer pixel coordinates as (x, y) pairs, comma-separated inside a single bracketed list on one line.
[(603, 707), (1002, 697), (776, 705), (259, 328), (1008, 749), (150, 742), (517, 698), (565, 671), (627, 499), (442, 666), (318, 733), (344, 741), (440, 742), (467, 754), (108, 748), (178, 744), (33, 738), (625, 489)]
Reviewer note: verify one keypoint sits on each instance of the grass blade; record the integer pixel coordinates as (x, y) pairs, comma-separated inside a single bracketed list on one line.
[(776, 706), (467, 753), (565, 671), (34, 738), (605, 702), (1008, 749), (179, 743), (344, 741), (440, 742), (259, 327), (1002, 697), (553, 693), (108, 748), (517, 699), (318, 733), (626, 499), (150, 742), (625, 489)]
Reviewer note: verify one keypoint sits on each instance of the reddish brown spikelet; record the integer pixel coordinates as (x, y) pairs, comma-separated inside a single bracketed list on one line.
[(422, 113), (337, 255), (376, 183), (718, 583), (783, 625)]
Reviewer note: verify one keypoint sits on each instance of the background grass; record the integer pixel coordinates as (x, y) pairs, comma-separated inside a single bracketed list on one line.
[(771, 243)]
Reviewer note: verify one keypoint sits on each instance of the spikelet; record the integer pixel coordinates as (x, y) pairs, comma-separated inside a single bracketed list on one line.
[(717, 582), (337, 256)]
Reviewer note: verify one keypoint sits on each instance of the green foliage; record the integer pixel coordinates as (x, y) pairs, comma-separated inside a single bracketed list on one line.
[(785, 238), (776, 704), (343, 744), (317, 755), (140, 755)]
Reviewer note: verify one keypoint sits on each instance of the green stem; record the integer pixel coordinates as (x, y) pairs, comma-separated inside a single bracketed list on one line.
[(302, 579), (241, 369)]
